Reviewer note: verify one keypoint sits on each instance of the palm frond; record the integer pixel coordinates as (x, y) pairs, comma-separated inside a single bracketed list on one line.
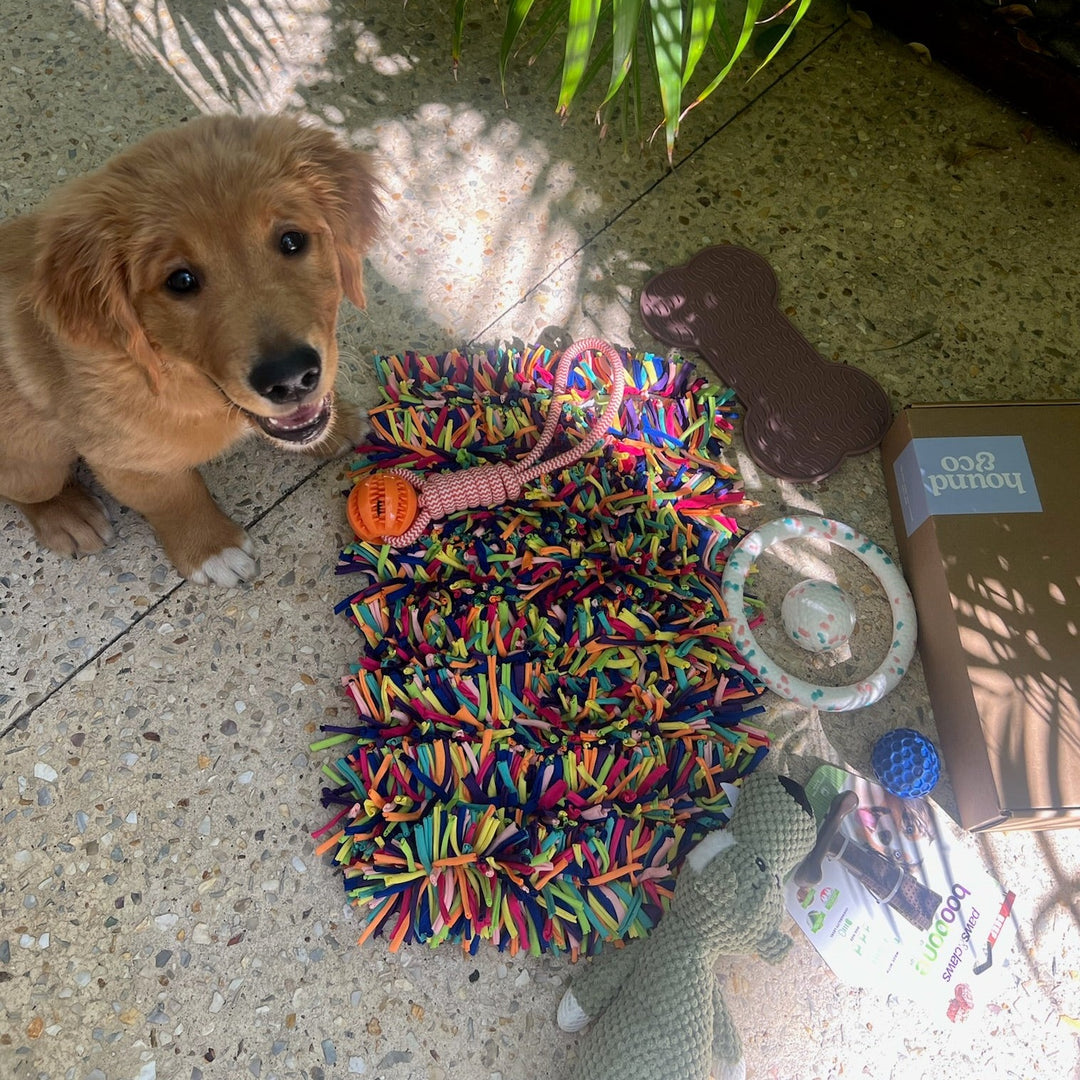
[(672, 41), (666, 25), (580, 32)]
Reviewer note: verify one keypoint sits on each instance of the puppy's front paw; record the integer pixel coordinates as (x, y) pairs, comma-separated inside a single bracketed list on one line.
[(228, 567), (72, 523)]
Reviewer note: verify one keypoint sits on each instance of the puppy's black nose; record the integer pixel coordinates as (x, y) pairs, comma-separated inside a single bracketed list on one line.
[(286, 374)]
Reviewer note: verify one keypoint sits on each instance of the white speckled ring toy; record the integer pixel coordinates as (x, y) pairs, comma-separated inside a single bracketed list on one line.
[(827, 698)]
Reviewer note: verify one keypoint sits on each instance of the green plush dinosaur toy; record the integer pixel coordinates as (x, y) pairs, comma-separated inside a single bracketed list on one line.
[(655, 1007)]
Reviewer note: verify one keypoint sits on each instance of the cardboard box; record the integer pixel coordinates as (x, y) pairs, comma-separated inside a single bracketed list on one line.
[(986, 502)]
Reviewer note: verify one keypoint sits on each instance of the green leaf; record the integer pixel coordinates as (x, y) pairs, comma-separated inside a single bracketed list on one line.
[(625, 16), (666, 25), (702, 17), (516, 15), (800, 12), (722, 31), (550, 21), (662, 43), (634, 92), (602, 60), (753, 9), (459, 31), (579, 38)]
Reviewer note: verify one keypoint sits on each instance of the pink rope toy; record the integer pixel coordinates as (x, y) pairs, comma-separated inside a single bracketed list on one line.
[(398, 498)]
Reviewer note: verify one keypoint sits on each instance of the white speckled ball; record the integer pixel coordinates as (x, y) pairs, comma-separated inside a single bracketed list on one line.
[(818, 615)]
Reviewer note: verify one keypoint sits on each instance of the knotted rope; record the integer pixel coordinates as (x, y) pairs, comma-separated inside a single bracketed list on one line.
[(441, 494)]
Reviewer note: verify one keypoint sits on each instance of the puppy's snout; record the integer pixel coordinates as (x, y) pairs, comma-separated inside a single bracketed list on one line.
[(287, 374)]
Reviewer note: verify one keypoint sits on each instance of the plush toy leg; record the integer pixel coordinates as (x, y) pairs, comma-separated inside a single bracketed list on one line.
[(774, 946), (727, 1047), (595, 986)]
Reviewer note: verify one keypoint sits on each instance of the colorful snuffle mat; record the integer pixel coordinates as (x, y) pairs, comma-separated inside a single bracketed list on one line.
[(548, 703)]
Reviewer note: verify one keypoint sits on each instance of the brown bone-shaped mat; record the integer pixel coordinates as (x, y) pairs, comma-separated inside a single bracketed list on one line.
[(804, 415)]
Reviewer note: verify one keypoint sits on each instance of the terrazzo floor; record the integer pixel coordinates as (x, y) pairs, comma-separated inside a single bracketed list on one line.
[(162, 913)]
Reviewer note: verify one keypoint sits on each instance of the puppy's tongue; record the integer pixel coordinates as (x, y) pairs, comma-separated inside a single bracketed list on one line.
[(303, 425), (298, 419)]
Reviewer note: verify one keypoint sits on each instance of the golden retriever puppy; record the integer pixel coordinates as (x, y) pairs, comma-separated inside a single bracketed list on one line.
[(156, 311)]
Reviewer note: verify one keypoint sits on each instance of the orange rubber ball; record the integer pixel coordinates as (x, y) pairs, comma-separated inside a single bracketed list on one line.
[(382, 505)]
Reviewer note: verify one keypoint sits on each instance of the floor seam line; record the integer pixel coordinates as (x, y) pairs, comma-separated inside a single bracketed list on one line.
[(28, 713)]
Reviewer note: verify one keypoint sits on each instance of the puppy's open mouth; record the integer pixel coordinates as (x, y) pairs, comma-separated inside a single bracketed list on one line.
[(303, 425)]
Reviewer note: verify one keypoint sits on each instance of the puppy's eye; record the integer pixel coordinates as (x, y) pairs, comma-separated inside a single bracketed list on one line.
[(182, 281), (292, 242), (761, 865)]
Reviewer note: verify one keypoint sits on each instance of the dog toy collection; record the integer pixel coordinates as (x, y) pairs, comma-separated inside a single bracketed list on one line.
[(557, 680), (548, 700)]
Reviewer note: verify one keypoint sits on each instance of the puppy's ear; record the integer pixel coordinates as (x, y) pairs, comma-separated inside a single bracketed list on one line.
[(81, 283), (344, 184)]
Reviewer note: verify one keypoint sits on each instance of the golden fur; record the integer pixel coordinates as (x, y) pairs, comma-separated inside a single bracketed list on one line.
[(156, 311)]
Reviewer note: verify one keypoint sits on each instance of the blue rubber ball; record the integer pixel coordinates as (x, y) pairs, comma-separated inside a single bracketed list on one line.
[(906, 763)]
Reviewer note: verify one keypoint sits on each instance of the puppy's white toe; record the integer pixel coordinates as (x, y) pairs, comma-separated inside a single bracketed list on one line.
[(228, 567), (571, 1015)]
